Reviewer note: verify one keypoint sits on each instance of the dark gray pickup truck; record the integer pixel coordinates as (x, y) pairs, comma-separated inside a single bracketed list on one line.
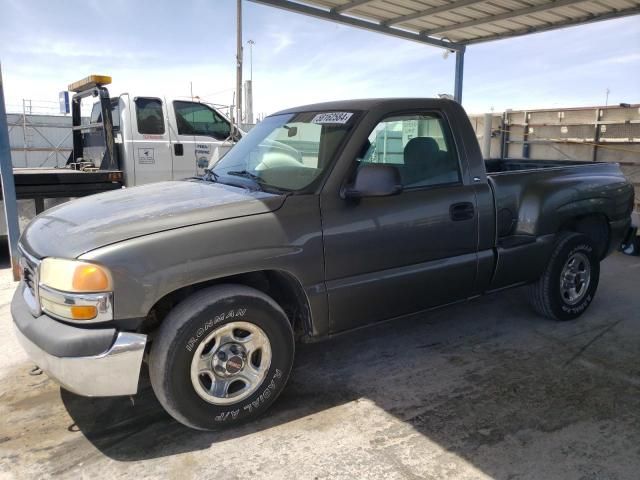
[(385, 208)]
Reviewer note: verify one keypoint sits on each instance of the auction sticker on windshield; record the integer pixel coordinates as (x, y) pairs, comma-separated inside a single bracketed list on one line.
[(332, 118)]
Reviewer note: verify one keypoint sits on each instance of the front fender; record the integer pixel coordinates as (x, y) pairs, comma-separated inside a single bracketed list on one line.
[(147, 268)]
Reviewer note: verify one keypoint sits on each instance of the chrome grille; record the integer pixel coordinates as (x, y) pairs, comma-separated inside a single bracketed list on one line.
[(29, 277), (29, 270)]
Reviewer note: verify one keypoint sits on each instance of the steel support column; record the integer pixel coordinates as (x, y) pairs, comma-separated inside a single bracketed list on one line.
[(457, 91), (525, 136), (597, 131), (486, 138), (8, 186)]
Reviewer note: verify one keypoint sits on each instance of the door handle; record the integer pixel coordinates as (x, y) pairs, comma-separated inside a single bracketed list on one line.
[(178, 149), (461, 211)]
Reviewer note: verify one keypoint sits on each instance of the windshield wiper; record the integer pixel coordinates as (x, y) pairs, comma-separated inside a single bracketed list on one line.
[(210, 175), (246, 174), (262, 185)]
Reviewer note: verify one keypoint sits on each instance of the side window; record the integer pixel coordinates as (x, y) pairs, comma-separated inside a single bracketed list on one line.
[(419, 146), (198, 119), (150, 116)]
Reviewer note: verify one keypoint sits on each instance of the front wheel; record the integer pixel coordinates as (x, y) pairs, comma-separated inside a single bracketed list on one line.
[(569, 283), (221, 357)]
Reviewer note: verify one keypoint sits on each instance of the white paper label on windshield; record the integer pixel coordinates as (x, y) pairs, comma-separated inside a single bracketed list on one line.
[(332, 118)]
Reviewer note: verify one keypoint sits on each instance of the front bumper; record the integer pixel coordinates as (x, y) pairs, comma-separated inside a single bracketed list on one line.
[(68, 353)]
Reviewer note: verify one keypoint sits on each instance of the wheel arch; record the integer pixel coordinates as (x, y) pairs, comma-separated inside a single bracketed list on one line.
[(282, 286), (595, 226)]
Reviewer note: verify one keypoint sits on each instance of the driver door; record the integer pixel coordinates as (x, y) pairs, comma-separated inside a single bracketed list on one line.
[(152, 159), (206, 135), (396, 255)]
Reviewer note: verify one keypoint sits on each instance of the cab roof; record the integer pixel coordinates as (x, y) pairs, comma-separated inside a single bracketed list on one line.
[(367, 104)]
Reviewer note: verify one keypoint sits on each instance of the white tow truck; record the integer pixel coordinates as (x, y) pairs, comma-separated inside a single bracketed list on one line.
[(128, 140), (154, 138)]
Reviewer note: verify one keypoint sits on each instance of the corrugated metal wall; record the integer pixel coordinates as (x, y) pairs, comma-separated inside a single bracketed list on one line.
[(39, 140), (603, 134)]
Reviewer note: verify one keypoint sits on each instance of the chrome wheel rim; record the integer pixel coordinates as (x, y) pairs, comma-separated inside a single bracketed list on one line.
[(575, 278), (231, 363)]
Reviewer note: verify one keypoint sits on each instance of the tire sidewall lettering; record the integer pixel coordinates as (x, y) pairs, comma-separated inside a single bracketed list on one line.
[(581, 307), (582, 247), (233, 314), (253, 405), (184, 330), (272, 384)]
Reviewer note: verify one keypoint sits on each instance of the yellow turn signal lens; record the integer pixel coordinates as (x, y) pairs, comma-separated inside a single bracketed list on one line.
[(75, 276), (83, 312), (71, 312), (90, 278)]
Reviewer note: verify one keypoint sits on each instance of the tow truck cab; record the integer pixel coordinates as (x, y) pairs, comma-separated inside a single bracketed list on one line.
[(149, 138)]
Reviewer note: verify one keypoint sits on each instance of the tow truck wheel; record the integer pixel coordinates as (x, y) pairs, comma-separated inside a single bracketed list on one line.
[(221, 357), (568, 285)]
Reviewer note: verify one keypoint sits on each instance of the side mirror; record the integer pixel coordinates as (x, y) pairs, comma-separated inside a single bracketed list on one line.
[(292, 132), (375, 180), (236, 135)]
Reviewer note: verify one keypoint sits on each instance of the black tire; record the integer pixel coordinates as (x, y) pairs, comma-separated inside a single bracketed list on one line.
[(546, 295), (188, 325)]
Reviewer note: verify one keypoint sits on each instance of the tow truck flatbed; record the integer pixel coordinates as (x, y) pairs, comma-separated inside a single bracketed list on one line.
[(40, 183)]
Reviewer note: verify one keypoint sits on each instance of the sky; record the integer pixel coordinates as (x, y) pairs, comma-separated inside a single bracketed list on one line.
[(163, 47)]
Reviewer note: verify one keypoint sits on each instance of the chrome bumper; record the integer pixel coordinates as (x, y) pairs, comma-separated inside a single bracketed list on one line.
[(114, 372)]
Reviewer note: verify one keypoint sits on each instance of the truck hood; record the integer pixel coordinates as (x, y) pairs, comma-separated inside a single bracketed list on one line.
[(77, 227)]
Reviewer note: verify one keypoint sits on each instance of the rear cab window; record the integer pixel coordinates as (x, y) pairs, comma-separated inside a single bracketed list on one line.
[(150, 116), (115, 114), (96, 113)]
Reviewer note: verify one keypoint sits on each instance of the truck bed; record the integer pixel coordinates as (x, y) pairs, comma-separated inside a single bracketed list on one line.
[(528, 193), (536, 198), (520, 165)]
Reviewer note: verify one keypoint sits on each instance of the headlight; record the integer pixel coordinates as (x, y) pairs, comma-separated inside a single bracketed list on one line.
[(74, 276), (75, 290)]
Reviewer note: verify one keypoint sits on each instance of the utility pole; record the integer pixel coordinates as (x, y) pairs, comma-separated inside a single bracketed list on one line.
[(606, 101), (239, 66), (251, 43), (8, 186), (248, 98)]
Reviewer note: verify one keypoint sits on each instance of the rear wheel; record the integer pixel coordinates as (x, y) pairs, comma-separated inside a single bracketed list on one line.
[(221, 357), (569, 283)]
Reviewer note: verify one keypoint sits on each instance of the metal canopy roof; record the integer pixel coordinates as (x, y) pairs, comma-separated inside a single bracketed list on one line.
[(455, 23)]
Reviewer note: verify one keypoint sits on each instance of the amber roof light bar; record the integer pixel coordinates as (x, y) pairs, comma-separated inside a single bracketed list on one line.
[(92, 81)]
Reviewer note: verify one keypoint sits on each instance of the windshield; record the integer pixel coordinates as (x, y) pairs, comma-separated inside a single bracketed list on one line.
[(286, 152)]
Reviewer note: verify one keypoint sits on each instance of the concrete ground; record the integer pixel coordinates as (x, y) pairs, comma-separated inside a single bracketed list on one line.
[(484, 389)]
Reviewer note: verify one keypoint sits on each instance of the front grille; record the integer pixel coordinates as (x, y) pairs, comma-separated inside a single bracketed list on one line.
[(29, 276), (29, 269)]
